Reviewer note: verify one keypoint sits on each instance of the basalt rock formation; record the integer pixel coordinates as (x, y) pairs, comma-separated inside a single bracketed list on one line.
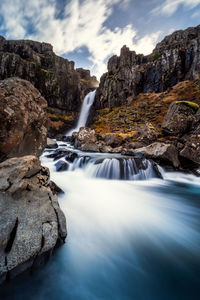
[(55, 77), (23, 121), (32, 223), (175, 59)]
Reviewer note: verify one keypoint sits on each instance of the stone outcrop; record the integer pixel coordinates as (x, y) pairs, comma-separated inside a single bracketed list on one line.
[(55, 77), (23, 122), (32, 223), (175, 59), (179, 118), (161, 152)]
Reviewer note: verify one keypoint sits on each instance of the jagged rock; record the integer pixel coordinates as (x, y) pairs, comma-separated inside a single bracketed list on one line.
[(54, 76), (179, 117), (106, 149), (32, 223), (23, 122), (51, 144), (175, 59), (113, 140), (159, 151), (57, 154)]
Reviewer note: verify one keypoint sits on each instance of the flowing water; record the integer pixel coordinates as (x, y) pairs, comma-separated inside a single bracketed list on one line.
[(85, 109), (133, 231), (131, 234)]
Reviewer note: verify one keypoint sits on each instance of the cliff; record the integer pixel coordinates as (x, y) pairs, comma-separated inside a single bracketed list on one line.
[(55, 77), (175, 59)]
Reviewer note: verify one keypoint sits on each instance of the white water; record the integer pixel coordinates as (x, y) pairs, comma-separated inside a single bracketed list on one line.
[(85, 109), (127, 239)]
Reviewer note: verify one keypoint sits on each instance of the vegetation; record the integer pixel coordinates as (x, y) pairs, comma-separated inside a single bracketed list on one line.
[(193, 105)]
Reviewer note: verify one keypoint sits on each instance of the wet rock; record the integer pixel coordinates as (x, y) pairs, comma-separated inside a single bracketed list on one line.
[(55, 188), (51, 143), (71, 156), (179, 118), (57, 154), (61, 166), (23, 122), (106, 149), (113, 140), (161, 152), (32, 223)]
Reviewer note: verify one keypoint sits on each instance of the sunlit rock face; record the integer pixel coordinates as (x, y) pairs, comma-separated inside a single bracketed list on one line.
[(175, 59), (55, 77)]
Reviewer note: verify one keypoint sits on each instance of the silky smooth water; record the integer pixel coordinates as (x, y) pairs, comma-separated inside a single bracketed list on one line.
[(127, 240), (84, 113)]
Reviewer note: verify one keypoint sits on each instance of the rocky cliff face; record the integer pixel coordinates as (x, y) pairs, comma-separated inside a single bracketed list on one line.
[(175, 59), (23, 121), (55, 77)]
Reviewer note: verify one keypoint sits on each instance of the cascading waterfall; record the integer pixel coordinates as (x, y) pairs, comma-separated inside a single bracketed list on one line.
[(133, 237), (85, 109)]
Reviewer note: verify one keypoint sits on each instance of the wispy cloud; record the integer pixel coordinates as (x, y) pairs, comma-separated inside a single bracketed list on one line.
[(169, 7), (82, 24)]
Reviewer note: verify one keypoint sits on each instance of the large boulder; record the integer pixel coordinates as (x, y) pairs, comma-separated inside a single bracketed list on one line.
[(31, 223), (160, 151), (23, 122), (179, 118)]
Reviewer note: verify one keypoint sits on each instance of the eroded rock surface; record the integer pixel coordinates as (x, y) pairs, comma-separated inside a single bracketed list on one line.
[(23, 121), (175, 59), (31, 223)]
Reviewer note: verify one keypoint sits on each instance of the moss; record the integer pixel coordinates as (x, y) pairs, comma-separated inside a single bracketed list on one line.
[(190, 104), (156, 56)]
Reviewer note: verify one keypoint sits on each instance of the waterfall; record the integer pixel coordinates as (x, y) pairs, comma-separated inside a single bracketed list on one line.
[(85, 109)]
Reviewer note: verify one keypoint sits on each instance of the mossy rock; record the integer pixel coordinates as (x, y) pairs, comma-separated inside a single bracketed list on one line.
[(191, 104)]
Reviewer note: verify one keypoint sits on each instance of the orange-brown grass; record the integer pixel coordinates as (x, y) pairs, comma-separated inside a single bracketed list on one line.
[(146, 109)]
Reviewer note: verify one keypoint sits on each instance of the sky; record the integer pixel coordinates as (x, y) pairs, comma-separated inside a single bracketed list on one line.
[(90, 31)]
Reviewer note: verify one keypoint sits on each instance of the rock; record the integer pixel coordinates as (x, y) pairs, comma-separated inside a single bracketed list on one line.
[(134, 145), (57, 154), (90, 147), (113, 140), (51, 144), (32, 223), (117, 149), (61, 166), (191, 149), (55, 77), (55, 188), (174, 59), (23, 122), (106, 149), (159, 151), (179, 118), (71, 156)]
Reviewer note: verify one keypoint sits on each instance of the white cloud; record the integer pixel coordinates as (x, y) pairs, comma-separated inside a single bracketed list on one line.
[(82, 24), (169, 7)]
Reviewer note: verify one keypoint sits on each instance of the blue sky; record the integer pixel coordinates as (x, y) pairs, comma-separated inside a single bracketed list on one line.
[(90, 31)]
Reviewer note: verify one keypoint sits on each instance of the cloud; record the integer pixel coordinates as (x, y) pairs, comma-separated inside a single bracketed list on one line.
[(82, 24), (169, 7)]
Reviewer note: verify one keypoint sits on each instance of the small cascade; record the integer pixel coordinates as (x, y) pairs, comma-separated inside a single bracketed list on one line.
[(85, 109), (118, 168)]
